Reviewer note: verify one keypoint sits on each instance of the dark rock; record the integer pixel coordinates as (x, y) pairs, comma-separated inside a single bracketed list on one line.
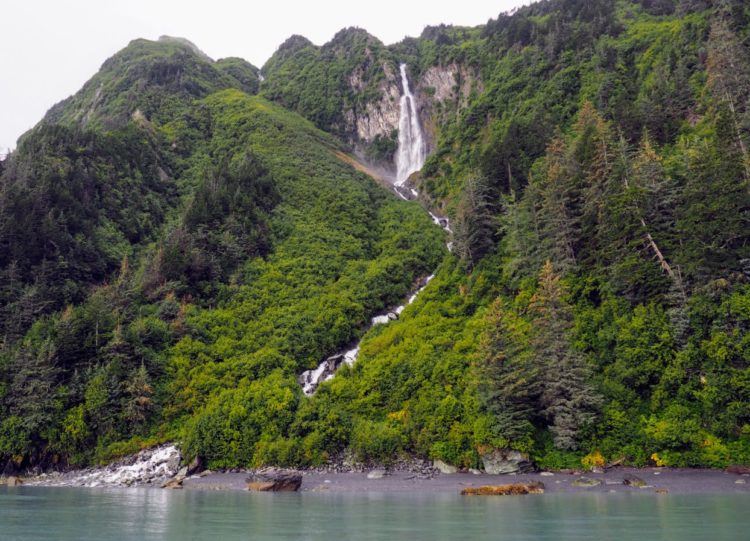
[(275, 480), (633, 481), (739, 470), (325, 370), (506, 461), (196, 466)]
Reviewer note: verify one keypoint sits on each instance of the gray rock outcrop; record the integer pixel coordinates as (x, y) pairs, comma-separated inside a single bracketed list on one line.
[(506, 461), (444, 467), (275, 480)]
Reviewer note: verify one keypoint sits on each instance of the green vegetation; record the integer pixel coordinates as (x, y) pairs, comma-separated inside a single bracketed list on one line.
[(610, 140), (185, 274), (153, 80), (167, 274), (323, 83)]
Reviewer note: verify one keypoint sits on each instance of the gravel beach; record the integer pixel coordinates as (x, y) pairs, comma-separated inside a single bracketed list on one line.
[(655, 480)]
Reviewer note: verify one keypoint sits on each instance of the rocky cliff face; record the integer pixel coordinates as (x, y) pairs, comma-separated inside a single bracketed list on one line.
[(351, 86), (451, 83), (440, 90), (379, 118)]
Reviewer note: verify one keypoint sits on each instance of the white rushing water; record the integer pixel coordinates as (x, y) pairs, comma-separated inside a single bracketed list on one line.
[(311, 379), (412, 149), (410, 157), (148, 467)]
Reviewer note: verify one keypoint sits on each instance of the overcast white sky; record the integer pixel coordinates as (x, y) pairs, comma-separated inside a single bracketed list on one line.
[(49, 48)]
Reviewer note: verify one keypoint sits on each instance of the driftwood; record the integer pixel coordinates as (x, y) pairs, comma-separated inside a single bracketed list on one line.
[(514, 489)]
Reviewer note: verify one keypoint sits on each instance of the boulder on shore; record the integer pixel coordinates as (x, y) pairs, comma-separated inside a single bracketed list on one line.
[(739, 470), (514, 489), (586, 482), (196, 466), (444, 467), (633, 481), (275, 480), (176, 481), (506, 461), (376, 474), (13, 481)]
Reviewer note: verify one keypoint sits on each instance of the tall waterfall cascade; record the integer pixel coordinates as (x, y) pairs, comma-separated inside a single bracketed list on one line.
[(410, 157), (412, 149)]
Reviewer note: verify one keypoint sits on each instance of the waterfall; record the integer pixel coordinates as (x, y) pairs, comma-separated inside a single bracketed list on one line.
[(411, 145), (311, 379), (410, 157)]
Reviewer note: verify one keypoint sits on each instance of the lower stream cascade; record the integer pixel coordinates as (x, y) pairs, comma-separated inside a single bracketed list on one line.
[(410, 157)]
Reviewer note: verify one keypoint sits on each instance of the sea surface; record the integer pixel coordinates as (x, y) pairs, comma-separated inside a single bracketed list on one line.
[(67, 514)]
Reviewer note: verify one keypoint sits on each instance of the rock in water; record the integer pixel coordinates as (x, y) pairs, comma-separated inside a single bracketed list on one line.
[(444, 467), (275, 480), (505, 490), (586, 482), (505, 461), (633, 481)]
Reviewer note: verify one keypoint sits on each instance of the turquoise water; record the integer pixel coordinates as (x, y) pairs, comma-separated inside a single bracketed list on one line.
[(67, 514)]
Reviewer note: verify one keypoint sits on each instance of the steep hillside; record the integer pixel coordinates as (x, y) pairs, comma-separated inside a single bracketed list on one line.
[(179, 265), (351, 86), (176, 252), (597, 177)]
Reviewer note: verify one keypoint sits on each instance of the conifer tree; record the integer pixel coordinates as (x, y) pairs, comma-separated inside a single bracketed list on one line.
[(507, 381), (475, 226), (729, 80), (568, 399), (138, 399), (560, 221)]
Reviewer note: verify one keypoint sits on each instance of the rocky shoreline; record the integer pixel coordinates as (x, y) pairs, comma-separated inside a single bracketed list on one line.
[(161, 467), (618, 480)]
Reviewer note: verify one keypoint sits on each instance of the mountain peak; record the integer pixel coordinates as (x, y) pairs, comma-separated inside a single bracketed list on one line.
[(187, 43), (154, 77)]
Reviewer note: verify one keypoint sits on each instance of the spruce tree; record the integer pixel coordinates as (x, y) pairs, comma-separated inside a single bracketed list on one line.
[(507, 380), (475, 225), (568, 399), (560, 219)]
